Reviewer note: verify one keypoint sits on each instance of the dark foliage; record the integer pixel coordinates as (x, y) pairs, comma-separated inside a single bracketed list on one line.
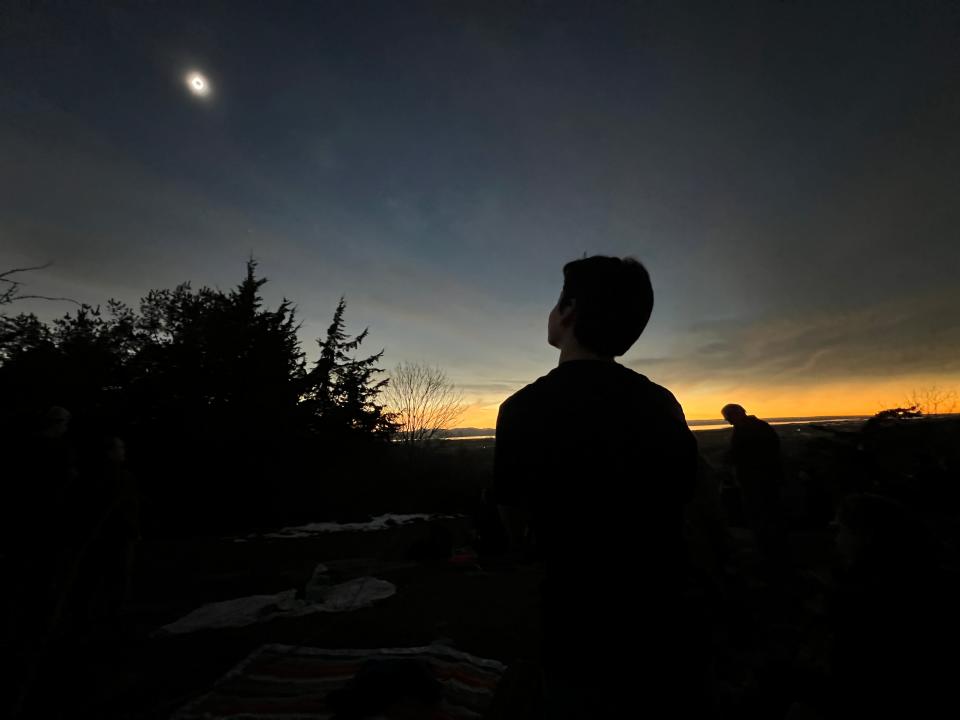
[(340, 392), (226, 426), (898, 413)]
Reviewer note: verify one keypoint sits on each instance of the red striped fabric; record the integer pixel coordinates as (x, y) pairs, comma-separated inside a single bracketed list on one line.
[(280, 682)]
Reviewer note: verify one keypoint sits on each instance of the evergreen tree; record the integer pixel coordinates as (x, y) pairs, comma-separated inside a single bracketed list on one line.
[(82, 360), (340, 392), (221, 356), (210, 390)]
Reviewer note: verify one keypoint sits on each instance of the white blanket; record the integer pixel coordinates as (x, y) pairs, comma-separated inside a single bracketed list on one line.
[(350, 595)]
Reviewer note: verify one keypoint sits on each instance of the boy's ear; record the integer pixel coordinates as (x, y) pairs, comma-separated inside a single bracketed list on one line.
[(568, 311)]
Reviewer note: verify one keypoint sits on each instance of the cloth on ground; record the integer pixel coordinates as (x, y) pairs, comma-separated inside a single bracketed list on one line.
[(284, 681), (350, 595)]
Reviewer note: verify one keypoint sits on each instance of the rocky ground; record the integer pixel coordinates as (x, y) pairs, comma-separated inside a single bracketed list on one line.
[(487, 606)]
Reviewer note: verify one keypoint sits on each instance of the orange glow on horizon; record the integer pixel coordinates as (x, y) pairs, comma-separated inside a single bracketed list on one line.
[(480, 415), (768, 400)]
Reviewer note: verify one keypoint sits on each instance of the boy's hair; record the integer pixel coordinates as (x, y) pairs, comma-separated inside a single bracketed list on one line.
[(614, 300)]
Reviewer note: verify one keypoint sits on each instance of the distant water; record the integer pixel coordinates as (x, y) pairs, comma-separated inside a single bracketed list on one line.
[(698, 425)]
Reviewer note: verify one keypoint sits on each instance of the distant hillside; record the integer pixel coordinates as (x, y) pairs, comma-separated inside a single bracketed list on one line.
[(467, 432)]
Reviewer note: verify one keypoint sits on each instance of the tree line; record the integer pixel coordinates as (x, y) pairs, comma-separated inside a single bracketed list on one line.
[(227, 422)]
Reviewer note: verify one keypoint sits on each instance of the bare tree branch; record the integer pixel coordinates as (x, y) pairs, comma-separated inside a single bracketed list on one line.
[(47, 297), (934, 400), (11, 292), (423, 402), (4, 274)]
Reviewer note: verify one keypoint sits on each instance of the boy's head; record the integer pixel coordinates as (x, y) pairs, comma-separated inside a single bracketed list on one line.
[(605, 305)]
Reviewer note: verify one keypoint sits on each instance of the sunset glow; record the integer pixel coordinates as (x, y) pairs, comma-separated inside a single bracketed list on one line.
[(269, 271), (797, 215), (770, 401)]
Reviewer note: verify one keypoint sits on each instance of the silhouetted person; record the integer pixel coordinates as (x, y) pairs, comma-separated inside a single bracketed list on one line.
[(107, 529), (45, 467), (51, 461), (599, 461), (121, 529), (755, 455)]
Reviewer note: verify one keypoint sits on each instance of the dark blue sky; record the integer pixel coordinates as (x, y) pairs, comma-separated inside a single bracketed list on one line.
[(789, 172)]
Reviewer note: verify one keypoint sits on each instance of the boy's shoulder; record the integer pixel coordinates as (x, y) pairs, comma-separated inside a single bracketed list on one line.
[(664, 397), (528, 395), (554, 383)]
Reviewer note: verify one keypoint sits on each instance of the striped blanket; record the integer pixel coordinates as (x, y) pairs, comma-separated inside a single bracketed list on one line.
[(283, 682)]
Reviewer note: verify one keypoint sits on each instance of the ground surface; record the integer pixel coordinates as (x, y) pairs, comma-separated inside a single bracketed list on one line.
[(488, 609)]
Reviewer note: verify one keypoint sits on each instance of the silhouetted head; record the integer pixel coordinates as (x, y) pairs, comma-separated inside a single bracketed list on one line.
[(734, 414), (605, 305)]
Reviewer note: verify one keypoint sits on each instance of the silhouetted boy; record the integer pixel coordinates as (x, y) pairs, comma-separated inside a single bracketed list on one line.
[(598, 460)]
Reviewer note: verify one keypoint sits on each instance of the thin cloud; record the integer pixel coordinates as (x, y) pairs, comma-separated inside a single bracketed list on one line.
[(902, 337)]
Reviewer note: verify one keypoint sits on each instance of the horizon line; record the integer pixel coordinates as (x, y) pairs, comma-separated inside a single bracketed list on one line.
[(707, 421)]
